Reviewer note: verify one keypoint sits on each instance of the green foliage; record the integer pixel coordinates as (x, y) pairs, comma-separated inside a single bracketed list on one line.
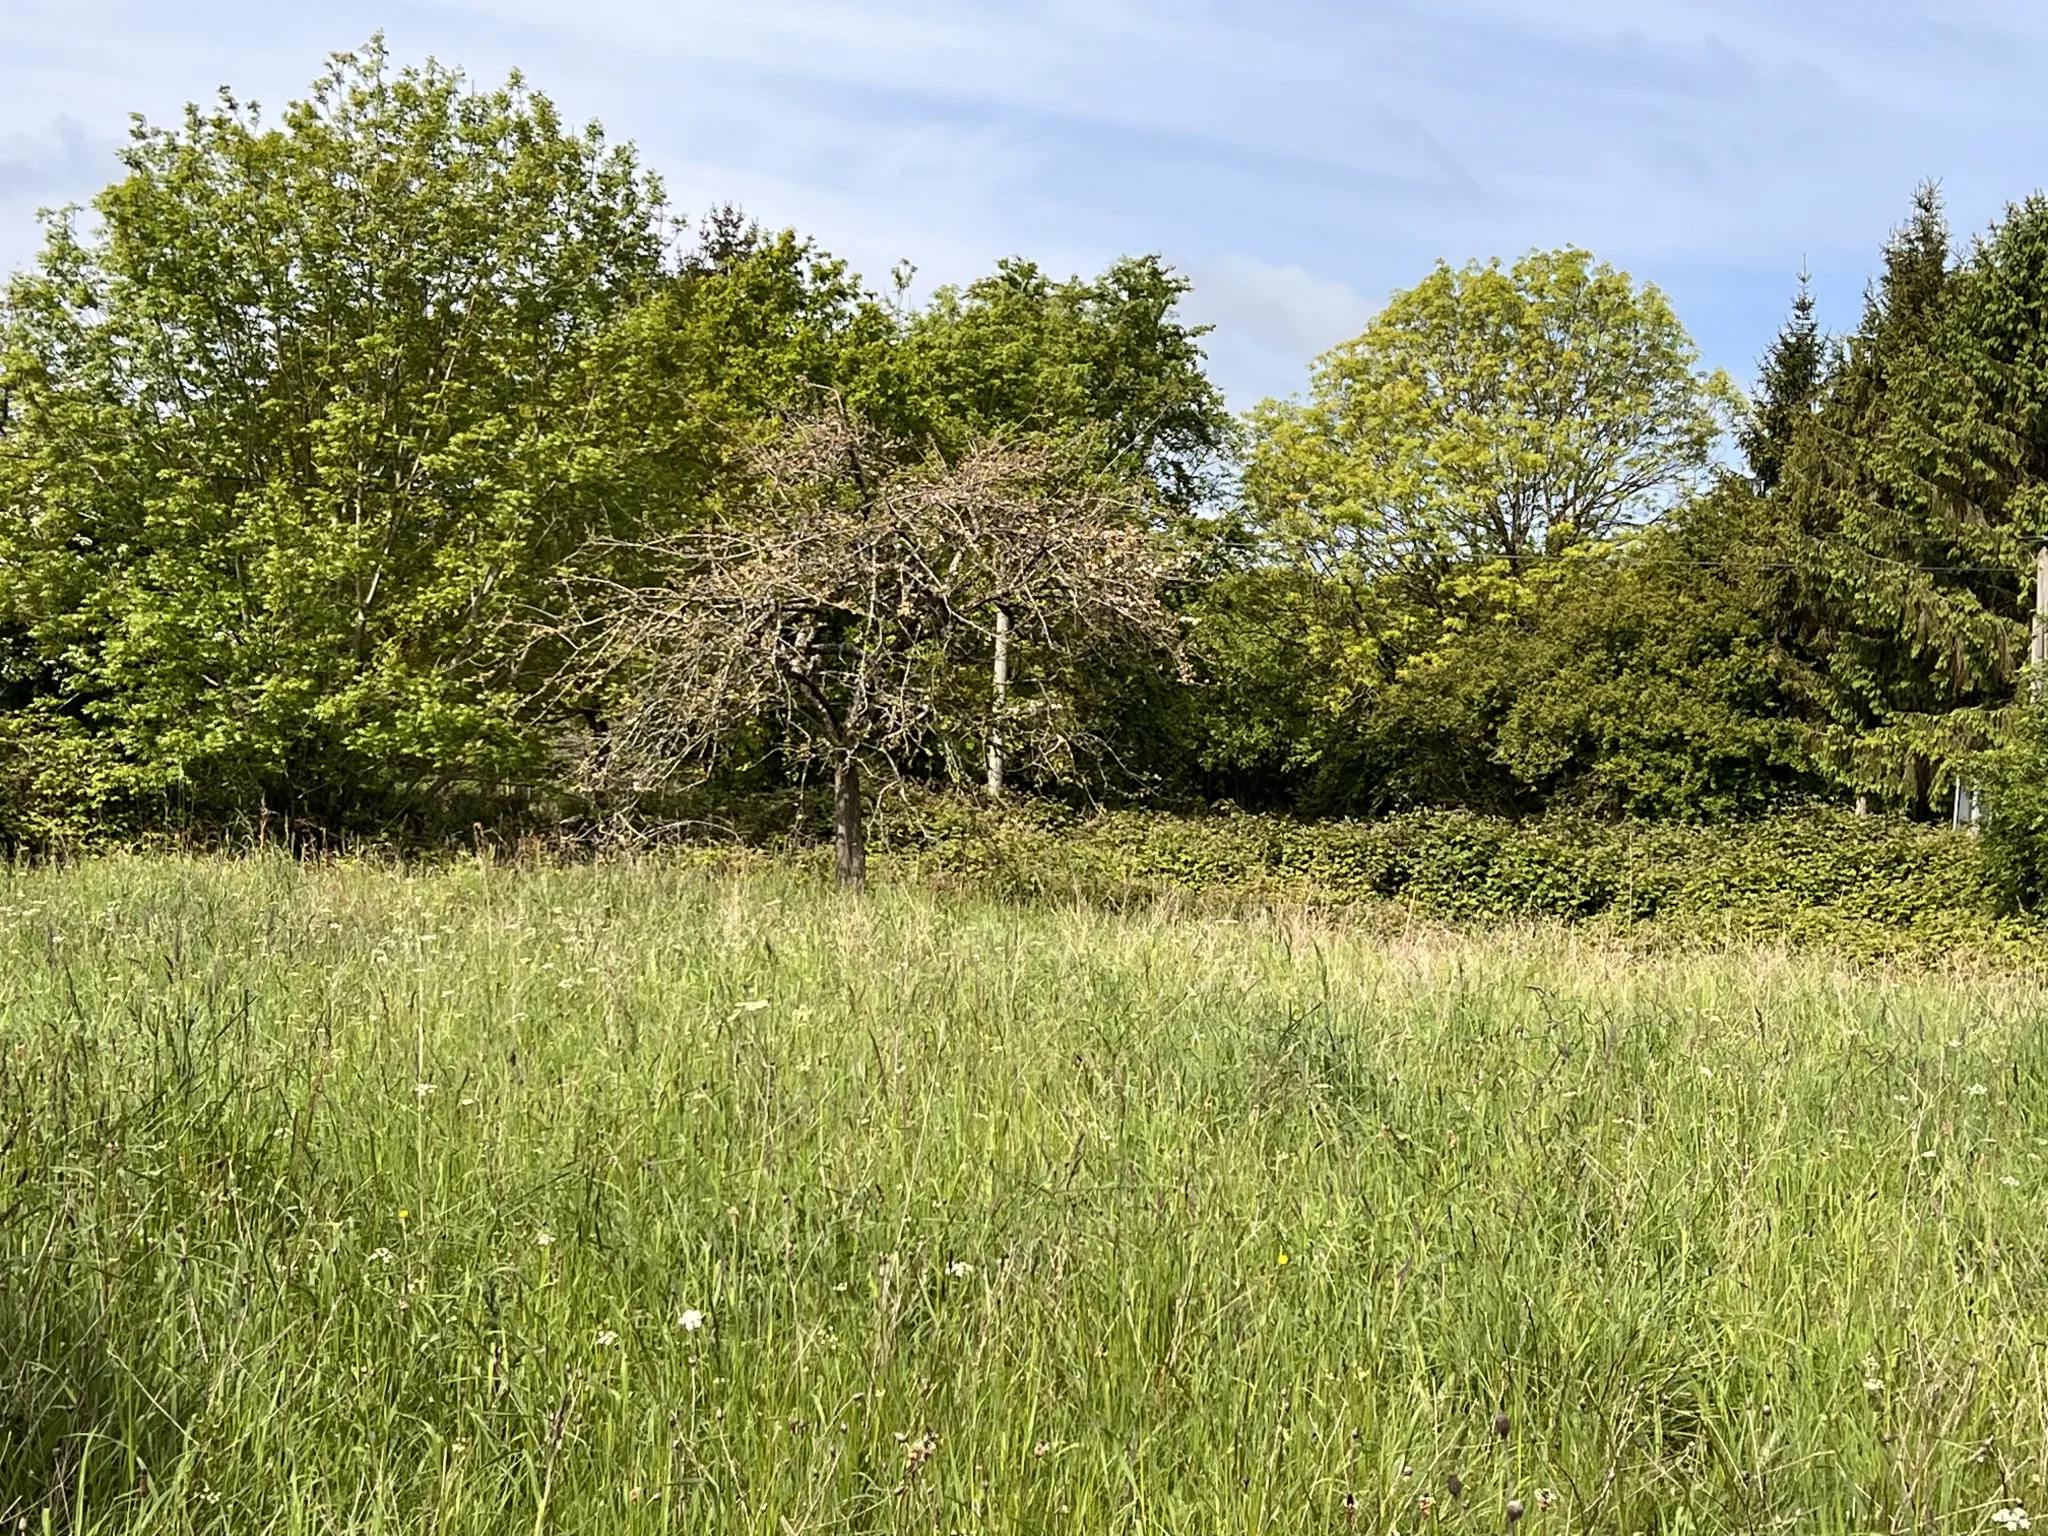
[(1489, 413), (1631, 678), (295, 425), (1107, 359), (1463, 623), (1622, 682), (1865, 884), (1904, 504), (751, 326), (1794, 374), (2014, 781), (313, 430), (304, 433)]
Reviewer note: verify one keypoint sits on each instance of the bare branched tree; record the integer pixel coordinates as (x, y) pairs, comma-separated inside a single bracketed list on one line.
[(858, 596)]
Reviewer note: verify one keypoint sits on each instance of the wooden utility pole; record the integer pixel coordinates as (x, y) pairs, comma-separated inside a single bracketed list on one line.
[(1002, 697)]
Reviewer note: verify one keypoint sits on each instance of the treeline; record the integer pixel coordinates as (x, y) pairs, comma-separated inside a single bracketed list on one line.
[(404, 464)]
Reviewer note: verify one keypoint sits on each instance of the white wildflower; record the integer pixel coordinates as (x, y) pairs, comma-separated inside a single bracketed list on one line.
[(542, 1239), (959, 1269), (691, 1320), (1976, 1090), (381, 1255), (606, 1338), (421, 1090), (2010, 1182), (2012, 1517)]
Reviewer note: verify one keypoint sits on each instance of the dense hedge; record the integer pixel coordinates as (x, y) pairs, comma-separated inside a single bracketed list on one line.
[(1866, 883)]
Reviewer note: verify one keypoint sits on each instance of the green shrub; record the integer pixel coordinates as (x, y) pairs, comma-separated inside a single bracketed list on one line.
[(2016, 820), (1821, 875)]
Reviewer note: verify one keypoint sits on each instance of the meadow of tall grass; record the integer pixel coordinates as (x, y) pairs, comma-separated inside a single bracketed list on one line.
[(636, 1197)]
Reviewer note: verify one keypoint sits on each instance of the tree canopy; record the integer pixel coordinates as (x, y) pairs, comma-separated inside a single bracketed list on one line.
[(295, 424), (1490, 412), (327, 439)]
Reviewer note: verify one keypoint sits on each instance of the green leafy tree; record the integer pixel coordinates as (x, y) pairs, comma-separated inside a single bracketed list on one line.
[(1489, 423), (1635, 677), (296, 423), (1489, 413), (1106, 362), (1632, 680)]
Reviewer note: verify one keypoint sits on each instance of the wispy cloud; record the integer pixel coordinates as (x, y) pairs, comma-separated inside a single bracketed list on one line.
[(1267, 319), (62, 160)]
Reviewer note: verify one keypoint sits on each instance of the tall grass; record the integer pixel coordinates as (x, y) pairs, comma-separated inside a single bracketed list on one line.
[(350, 1198)]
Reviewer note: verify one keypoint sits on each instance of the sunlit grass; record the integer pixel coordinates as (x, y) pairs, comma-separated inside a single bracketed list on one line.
[(635, 1198)]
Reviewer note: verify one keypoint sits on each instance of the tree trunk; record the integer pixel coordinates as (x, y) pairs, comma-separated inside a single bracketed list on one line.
[(1002, 698), (849, 832), (2038, 652)]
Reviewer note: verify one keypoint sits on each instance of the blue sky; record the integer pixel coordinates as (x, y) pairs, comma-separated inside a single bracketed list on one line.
[(1298, 158)]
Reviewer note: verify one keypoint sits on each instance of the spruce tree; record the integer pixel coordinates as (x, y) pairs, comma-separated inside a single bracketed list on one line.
[(1791, 378), (1897, 619)]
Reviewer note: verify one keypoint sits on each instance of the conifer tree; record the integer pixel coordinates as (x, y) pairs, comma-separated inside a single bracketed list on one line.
[(1895, 514), (1791, 379)]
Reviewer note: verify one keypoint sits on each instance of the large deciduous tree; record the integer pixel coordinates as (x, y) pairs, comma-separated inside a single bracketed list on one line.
[(1394, 638), (1106, 362), (1490, 412), (295, 421)]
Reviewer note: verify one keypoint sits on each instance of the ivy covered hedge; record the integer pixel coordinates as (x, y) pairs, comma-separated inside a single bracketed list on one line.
[(1866, 883)]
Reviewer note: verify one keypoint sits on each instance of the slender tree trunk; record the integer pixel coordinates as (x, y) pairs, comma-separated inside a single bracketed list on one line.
[(2038, 652), (1002, 696), (849, 832)]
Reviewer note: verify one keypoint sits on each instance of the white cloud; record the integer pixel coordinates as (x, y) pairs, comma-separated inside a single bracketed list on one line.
[(1269, 320)]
